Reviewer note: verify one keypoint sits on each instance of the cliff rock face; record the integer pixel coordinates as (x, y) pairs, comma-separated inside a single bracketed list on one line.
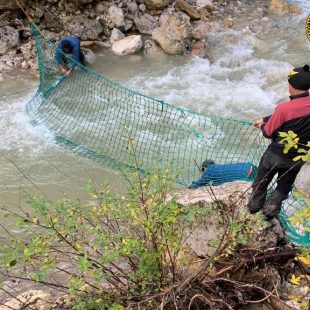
[(175, 34)]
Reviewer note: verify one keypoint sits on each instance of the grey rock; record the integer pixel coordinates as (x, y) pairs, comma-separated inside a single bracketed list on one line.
[(151, 48), (100, 9), (26, 32), (116, 35), (116, 18), (155, 4), (53, 22), (128, 24), (9, 38), (145, 24), (208, 4), (83, 28), (90, 56), (142, 7), (163, 18), (303, 179), (133, 8), (202, 29), (25, 64), (27, 50)]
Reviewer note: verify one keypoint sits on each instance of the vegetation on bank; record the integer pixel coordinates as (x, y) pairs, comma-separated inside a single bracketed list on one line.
[(129, 251)]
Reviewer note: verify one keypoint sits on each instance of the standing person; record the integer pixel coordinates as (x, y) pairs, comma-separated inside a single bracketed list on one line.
[(71, 47), (292, 115)]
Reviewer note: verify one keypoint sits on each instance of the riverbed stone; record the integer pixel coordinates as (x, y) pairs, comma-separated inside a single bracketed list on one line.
[(198, 49), (27, 50), (278, 6), (207, 4), (128, 45), (302, 182), (116, 17), (201, 29), (89, 55), (116, 35), (36, 299), (185, 7), (9, 38), (175, 34), (151, 48), (155, 4), (294, 9), (133, 7), (145, 24)]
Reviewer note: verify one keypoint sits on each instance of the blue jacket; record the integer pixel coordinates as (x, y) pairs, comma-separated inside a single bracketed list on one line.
[(75, 44), (217, 174)]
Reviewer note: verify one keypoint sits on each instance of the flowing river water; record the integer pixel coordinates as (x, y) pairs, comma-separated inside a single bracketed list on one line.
[(244, 77)]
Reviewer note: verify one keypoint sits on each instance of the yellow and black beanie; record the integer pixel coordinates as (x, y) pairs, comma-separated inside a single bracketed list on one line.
[(299, 78)]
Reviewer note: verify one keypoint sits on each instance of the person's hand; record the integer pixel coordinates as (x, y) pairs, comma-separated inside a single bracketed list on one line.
[(258, 123), (68, 72), (63, 70)]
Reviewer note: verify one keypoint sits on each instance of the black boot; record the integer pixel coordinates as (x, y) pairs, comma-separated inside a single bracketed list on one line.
[(273, 205), (256, 201)]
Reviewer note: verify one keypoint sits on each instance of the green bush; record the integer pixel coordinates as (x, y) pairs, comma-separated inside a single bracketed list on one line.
[(118, 248)]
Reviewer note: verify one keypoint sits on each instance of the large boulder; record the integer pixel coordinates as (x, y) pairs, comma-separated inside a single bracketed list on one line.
[(145, 24), (9, 38), (127, 46), (155, 4), (175, 34)]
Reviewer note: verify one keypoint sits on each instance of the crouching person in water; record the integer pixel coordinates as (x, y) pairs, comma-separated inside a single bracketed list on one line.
[(292, 115), (69, 46), (217, 174)]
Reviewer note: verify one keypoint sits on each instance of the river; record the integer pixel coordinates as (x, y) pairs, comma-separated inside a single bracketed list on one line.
[(244, 77)]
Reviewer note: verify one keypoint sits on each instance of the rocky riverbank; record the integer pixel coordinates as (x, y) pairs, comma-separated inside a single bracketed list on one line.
[(126, 27)]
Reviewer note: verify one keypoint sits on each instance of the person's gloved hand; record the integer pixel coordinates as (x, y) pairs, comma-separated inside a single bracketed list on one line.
[(258, 123)]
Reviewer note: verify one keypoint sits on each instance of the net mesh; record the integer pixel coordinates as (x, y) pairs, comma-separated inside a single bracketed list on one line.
[(110, 123)]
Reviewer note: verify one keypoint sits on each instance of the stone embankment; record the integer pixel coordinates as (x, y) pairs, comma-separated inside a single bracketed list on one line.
[(127, 27)]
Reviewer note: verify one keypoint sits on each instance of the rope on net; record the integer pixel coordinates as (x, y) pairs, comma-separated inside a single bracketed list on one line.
[(115, 125)]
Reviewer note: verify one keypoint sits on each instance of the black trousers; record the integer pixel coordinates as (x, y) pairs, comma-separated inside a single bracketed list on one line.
[(272, 164)]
